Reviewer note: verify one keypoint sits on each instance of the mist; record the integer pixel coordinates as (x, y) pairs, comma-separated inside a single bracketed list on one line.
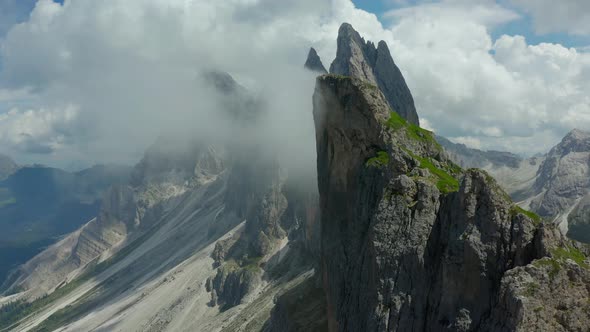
[(97, 82), (130, 72)]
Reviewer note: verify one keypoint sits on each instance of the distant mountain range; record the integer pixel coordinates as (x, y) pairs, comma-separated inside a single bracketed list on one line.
[(555, 185), (40, 204)]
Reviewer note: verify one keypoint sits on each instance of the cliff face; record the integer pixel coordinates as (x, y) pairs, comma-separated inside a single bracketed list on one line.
[(562, 186), (410, 242)]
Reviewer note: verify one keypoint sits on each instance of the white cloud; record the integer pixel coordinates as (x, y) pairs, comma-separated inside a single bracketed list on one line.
[(471, 142), (570, 16), (12, 12), (36, 131), (129, 66), (485, 12), (499, 93), (8, 95)]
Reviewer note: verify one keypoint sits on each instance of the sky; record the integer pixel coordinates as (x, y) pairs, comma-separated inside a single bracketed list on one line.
[(85, 81)]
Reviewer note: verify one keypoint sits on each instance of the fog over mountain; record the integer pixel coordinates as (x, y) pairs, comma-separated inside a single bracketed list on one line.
[(228, 231), (296, 166), (90, 81)]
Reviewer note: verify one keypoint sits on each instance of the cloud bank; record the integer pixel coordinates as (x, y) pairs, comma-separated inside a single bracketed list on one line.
[(571, 16), (96, 81)]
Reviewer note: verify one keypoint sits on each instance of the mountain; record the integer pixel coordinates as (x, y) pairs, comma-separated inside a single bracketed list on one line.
[(514, 173), (474, 158), (218, 226), (555, 185), (7, 167), (562, 187), (41, 204), (218, 235), (411, 242), (314, 63), (358, 58)]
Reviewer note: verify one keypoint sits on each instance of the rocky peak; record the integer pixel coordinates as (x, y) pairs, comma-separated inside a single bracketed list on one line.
[(222, 81), (354, 56), (359, 58), (563, 178), (409, 241), (575, 141), (235, 101), (314, 63)]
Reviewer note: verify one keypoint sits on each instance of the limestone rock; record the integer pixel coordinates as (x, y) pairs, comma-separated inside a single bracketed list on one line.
[(363, 60), (564, 176), (232, 283)]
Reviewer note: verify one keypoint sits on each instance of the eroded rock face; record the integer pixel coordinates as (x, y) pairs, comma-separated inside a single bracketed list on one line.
[(564, 176), (403, 248), (363, 60), (231, 284), (116, 219), (164, 175)]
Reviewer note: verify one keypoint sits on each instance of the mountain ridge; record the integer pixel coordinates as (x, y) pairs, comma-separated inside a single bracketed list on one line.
[(357, 58), (411, 256), (215, 235)]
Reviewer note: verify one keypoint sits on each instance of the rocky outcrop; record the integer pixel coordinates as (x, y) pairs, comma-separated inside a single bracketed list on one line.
[(314, 63), (564, 176), (116, 220), (232, 283), (404, 246), (302, 308), (543, 296), (551, 294), (276, 211), (363, 60)]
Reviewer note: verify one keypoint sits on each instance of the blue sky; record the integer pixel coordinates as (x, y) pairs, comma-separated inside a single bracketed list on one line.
[(523, 26)]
